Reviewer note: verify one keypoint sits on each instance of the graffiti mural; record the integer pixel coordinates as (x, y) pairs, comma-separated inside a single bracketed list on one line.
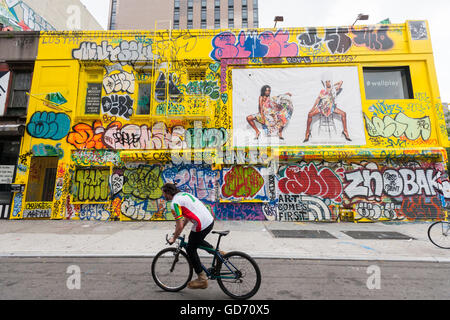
[(118, 105), (242, 183), (91, 185), (48, 125), (401, 125), (127, 52), (252, 44), (309, 180), (260, 124)]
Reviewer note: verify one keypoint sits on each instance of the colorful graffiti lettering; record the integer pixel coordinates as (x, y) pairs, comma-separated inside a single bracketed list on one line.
[(118, 82), (244, 211), (127, 52), (399, 126), (375, 38), (242, 182), (199, 180), (46, 150), (118, 105), (91, 185), (98, 212), (422, 208), (144, 182), (393, 183), (309, 180), (49, 125), (266, 44), (85, 136), (336, 40)]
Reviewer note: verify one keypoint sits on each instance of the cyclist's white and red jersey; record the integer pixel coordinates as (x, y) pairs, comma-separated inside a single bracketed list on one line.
[(187, 206)]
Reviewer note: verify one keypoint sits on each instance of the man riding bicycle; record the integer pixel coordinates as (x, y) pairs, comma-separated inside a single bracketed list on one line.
[(185, 205)]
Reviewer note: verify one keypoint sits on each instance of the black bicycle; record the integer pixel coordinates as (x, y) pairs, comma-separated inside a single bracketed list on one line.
[(237, 274), (439, 233)]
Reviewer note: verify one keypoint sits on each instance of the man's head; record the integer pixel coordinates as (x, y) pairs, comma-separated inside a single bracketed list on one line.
[(169, 191)]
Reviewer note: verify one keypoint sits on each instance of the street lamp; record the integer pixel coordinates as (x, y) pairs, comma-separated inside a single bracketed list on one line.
[(278, 18), (361, 17)]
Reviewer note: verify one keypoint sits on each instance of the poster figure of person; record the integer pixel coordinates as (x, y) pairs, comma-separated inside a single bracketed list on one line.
[(273, 114), (326, 105)]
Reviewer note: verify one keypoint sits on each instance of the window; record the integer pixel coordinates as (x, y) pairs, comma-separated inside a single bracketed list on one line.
[(21, 85), (244, 13), (42, 178), (190, 14), (255, 14), (217, 14), (387, 83), (196, 74), (112, 22), (144, 99), (204, 13)]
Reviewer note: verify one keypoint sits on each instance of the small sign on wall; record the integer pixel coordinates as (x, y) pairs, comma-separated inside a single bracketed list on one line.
[(6, 174), (93, 98)]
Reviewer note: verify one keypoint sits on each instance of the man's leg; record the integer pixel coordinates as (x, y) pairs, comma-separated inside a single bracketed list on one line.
[(197, 239)]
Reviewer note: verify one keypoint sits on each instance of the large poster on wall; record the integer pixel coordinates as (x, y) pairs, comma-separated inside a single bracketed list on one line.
[(297, 107), (4, 81)]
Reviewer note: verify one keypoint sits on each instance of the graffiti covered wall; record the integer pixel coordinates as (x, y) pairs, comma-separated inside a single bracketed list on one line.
[(260, 125)]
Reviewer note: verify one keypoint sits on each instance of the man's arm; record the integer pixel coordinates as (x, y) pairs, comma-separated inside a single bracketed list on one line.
[(179, 226)]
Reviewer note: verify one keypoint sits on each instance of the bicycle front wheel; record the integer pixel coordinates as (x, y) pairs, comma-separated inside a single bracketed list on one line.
[(439, 234), (171, 271), (239, 275)]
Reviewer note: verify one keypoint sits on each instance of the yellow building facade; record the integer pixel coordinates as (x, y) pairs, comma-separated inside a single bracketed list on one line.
[(304, 124)]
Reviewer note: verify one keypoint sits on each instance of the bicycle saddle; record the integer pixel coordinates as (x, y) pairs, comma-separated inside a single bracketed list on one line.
[(222, 233)]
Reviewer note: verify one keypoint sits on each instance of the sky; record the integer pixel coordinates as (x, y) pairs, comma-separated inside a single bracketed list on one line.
[(329, 13)]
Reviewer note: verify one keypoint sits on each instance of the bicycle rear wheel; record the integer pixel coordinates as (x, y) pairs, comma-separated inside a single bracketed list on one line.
[(239, 276), (171, 271), (439, 234)]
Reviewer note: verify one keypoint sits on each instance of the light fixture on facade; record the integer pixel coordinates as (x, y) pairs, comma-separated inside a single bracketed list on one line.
[(278, 19), (361, 17)]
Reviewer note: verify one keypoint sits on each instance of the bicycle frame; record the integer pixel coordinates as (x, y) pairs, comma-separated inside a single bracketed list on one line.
[(216, 256)]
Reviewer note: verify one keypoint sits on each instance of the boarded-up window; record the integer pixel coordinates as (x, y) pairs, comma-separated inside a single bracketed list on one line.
[(21, 85), (42, 178)]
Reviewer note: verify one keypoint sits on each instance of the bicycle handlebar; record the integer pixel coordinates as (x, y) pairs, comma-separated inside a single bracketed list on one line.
[(179, 238)]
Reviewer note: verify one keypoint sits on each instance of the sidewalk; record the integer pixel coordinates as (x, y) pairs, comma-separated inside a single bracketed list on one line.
[(33, 238)]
